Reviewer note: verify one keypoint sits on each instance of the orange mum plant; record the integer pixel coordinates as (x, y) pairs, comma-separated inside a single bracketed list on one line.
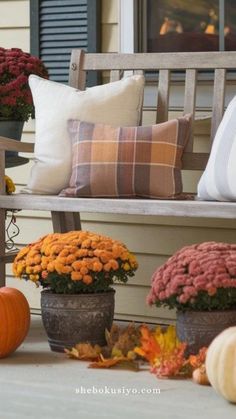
[(75, 262)]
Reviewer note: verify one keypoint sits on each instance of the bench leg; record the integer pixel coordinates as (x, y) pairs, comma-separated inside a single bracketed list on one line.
[(65, 221), (2, 248)]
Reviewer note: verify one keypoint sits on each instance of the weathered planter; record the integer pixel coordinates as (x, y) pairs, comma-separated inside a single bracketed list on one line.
[(72, 318), (12, 129), (199, 328)]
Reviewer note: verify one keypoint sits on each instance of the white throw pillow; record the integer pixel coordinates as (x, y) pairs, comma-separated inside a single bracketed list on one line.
[(218, 180), (117, 103)]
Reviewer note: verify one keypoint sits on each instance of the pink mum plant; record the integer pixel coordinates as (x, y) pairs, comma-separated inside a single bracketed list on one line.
[(15, 96), (198, 277)]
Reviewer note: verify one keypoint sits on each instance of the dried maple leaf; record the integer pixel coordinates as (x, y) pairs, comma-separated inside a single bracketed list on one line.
[(112, 336), (163, 350), (122, 341), (84, 351), (119, 362), (149, 348), (196, 361), (128, 339)]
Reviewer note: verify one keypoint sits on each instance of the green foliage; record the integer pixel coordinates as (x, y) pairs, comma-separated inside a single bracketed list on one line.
[(224, 299), (63, 284)]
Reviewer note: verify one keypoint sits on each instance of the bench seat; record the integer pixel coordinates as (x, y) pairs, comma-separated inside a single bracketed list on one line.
[(175, 208)]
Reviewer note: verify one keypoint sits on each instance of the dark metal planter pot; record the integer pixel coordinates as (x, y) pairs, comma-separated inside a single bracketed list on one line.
[(12, 129), (199, 328), (73, 318)]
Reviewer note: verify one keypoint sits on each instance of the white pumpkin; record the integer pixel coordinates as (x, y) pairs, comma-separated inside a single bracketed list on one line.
[(221, 364)]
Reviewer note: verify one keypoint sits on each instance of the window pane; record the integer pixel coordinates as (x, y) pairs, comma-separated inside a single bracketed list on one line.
[(230, 25), (181, 25)]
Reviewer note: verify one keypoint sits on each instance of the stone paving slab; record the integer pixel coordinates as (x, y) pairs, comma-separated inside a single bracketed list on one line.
[(37, 383)]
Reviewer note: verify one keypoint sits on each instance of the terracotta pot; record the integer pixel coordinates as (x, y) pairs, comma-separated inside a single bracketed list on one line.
[(199, 328), (72, 318)]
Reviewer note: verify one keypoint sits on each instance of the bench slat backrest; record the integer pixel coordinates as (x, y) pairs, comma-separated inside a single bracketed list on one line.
[(190, 99), (218, 100), (163, 94), (165, 63)]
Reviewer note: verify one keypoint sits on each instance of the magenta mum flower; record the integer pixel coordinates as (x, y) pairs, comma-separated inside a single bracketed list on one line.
[(15, 97), (200, 277)]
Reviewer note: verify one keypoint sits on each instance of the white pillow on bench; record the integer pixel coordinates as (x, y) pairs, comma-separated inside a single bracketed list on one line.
[(218, 182), (117, 103)]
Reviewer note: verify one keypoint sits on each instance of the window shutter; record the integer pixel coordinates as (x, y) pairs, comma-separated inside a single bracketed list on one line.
[(58, 26)]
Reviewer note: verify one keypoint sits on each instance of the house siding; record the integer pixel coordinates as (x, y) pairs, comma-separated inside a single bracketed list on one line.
[(153, 239), (110, 26), (14, 24)]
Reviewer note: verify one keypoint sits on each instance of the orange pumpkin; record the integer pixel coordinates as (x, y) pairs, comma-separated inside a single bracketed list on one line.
[(14, 320)]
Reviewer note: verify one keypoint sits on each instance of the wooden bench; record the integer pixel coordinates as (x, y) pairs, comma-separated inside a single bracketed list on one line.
[(66, 211)]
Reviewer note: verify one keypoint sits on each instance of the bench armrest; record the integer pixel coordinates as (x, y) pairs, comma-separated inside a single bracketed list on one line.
[(9, 144)]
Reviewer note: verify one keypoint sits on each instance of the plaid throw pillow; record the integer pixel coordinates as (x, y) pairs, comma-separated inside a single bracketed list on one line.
[(127, 162)]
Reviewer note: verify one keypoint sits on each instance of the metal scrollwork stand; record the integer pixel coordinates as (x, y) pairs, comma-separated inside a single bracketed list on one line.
[(12, 231)]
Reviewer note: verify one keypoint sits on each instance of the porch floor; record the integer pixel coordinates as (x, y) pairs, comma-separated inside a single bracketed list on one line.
[(38, 383)]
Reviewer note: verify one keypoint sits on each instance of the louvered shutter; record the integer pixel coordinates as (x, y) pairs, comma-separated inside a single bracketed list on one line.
[(58, 26)]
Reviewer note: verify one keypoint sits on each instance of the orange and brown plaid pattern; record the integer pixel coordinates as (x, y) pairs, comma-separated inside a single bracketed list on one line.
[(127, 162)]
